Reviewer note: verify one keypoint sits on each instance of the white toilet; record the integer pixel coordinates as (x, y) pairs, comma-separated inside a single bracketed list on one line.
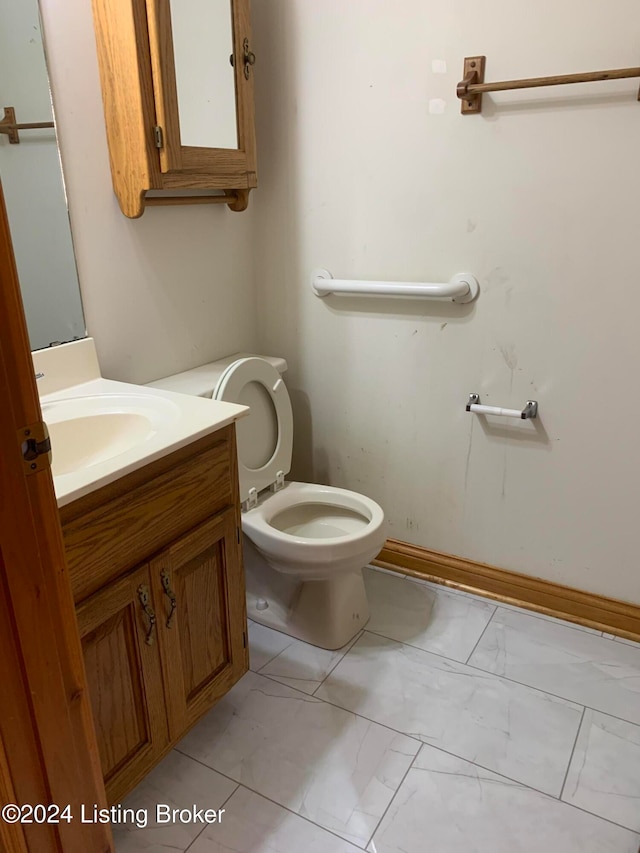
[(304, 545)]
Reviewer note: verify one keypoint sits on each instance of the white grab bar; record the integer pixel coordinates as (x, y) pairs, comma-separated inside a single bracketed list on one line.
[(463, 287)]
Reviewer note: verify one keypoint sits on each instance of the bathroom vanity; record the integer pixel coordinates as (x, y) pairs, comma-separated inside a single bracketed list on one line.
[(146, 483), (156, 569)]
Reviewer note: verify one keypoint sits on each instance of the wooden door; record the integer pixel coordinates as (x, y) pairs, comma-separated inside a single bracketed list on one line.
[(202, 636), (120, 644), (48, 749)]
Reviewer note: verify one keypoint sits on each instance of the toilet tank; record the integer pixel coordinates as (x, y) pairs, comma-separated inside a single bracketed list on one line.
[(201, 381)]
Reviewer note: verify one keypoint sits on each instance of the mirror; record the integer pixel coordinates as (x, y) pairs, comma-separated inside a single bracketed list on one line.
[(33, 186), (202, 44)]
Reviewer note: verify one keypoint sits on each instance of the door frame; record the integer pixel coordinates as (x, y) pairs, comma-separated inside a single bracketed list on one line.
[(48, 747)]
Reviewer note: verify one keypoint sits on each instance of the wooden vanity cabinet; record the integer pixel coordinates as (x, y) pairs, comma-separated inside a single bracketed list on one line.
[(163, 638)]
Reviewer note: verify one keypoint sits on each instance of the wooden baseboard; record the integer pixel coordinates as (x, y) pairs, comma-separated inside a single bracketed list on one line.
[(584, 608)]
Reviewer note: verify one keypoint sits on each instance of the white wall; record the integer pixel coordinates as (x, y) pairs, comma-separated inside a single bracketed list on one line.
[(163, 293), (538, 197)]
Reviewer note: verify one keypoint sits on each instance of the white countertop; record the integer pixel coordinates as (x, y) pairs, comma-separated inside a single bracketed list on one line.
[(184, 420)]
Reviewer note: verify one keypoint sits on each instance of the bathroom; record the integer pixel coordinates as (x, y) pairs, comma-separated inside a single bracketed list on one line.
[(367, 168)]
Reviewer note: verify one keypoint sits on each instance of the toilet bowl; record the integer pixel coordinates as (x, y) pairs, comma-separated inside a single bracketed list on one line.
[(304, 544), (315, 531)]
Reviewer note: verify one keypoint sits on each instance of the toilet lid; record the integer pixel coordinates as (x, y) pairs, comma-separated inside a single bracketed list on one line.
[(265, 435)]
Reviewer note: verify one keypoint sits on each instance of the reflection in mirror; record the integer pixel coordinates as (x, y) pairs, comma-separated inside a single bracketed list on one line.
[(33, 186), (202, 43)]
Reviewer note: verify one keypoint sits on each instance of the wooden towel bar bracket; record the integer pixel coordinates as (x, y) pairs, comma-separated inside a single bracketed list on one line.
[(10, 127), (472, 86)]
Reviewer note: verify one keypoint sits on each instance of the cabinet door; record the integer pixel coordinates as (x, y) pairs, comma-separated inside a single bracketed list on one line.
[(202, 132), (202, 622), (119, 640)]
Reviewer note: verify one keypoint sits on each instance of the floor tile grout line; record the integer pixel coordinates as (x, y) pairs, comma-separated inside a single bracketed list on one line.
[(366, 630), (555, 696), (293, 678), (488, 672), (395, 794), (302, 817), (575, 742), (495, 610), (421, 743), (417, 648), (461, 663), (237, 785), (418, 741), (488, 601), (286, 681), (275, 802), (358, 636), (297, 640), (277, 655), (515, 609), (410, 645), (498, 676), (271, 660), (346, 710), (340, 659), (594, 814)]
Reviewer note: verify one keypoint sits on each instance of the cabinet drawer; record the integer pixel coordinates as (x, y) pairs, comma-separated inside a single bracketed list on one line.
[(116, 528)]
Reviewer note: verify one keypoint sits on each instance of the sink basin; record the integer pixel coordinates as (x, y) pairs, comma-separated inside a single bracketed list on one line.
[(86, 431), (102, 430)]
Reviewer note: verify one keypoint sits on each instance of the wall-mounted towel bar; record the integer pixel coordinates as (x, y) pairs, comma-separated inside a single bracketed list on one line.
[(463, 287), (530, 410), (472, 86), (9, 125)]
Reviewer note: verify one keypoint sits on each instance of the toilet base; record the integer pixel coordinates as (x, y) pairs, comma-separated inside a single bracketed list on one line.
[(324, 613)]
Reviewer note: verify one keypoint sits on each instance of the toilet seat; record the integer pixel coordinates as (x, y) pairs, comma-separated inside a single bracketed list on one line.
[(239, 383)]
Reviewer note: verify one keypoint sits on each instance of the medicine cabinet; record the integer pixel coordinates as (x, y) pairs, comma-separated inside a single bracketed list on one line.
[(177, 87)]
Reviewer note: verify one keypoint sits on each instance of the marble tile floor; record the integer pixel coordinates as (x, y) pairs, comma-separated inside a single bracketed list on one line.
[(449, 724)]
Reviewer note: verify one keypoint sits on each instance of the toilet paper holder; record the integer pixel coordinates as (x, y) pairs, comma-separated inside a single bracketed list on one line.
[(530, 409)]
